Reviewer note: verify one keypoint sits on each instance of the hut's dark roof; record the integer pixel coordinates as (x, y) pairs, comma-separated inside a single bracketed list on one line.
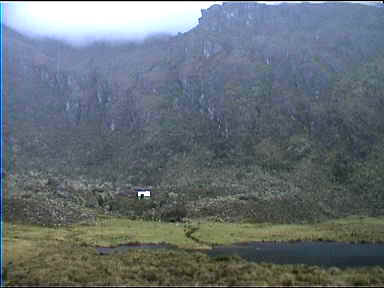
[(142, 189)]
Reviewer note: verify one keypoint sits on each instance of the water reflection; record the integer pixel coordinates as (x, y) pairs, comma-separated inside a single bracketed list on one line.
[(310, 253)]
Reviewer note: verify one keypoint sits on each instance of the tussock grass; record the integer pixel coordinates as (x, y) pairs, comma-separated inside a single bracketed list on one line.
[(68, 265), (350, 229), (37, 255), (112, 231)]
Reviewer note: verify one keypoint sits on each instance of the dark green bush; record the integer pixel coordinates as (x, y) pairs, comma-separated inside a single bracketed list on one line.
[(175, 214)]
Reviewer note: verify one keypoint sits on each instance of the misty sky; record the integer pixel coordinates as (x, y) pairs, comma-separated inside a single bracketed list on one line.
[(79, 22)]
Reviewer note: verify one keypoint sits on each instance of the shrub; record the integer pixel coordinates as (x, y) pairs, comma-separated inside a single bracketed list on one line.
[(175, 214)]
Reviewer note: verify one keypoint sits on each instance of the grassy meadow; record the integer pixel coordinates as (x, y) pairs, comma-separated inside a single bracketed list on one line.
[(36, 255)]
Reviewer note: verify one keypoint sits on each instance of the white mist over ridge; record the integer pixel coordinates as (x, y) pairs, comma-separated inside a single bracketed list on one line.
[(79, 22), (83, 22)]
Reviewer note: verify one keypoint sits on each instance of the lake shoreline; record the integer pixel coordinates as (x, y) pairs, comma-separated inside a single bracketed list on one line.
[(67, 255), (318, 253)]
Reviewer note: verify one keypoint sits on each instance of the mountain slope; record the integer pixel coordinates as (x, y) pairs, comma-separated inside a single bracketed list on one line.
[(256, 101)]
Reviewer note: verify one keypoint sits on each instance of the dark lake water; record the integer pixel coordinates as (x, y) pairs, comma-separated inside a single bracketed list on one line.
[(311, 253)]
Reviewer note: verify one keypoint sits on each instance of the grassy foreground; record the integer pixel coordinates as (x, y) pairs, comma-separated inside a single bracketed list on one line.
[(65, 256)]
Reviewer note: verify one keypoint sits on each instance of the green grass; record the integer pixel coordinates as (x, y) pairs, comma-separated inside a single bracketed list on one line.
[(66, 264), (114, 231), (66, 256), (351, 229)]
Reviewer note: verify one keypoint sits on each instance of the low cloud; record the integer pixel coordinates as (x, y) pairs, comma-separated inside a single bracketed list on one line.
[(79, 22), (83, 22)]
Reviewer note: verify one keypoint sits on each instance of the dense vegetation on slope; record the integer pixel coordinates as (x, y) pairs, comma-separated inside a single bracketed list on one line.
[(270, 103)]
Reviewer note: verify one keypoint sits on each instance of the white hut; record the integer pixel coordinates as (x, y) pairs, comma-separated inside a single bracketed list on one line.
[(143, 194)]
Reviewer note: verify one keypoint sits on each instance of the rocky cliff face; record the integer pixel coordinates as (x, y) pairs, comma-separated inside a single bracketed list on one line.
[(248, 72)]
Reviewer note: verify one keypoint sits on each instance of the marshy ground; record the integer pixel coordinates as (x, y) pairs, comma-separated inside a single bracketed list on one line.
[(67, 256)]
